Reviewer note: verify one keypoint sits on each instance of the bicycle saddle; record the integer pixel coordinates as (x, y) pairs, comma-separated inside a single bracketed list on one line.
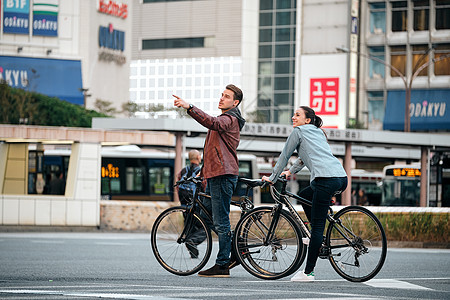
[(252, 182)]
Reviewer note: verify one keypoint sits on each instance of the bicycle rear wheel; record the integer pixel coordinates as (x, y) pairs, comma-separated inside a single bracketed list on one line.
[(265, 258), (181, 257), (357, 244)]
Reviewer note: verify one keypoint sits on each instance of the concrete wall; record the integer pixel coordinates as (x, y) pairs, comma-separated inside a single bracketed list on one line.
[(80, 206)]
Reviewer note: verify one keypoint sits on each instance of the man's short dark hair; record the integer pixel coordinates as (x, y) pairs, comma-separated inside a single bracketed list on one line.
[(238, 95)]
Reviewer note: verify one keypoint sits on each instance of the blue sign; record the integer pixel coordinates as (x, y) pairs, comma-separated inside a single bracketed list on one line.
[(16, 16), (45, 18), (52, 77), (429, 110), (110, 38)]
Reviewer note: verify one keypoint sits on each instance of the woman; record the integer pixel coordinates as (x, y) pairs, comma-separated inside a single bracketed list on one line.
[(327, 177)]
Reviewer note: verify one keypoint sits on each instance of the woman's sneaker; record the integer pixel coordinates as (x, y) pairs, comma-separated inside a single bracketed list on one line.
[(302, 277)]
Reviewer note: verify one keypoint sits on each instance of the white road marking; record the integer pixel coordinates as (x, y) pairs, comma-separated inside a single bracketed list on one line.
[(87, 295), (394, 284)]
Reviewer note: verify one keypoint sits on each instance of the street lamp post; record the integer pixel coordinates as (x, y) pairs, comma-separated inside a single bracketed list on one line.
[(408, 84)]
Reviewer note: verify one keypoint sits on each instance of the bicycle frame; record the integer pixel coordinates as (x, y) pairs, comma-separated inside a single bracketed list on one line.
[(283, 199)]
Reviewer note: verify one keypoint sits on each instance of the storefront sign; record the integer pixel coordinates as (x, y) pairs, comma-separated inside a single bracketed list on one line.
[(113, 8), (16, 14), (324, 95), (45, 17), (110, 38), (52, 77), (429, 110)]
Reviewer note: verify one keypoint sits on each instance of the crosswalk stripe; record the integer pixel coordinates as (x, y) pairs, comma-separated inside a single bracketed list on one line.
[(394, 284)]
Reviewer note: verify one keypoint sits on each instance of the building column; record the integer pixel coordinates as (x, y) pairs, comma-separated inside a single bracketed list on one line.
[(347, 194), (423, 176)]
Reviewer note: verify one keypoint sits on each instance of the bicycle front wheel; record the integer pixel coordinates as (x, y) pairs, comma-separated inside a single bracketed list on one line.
[(181, 255), (264, 254), (357, 244)]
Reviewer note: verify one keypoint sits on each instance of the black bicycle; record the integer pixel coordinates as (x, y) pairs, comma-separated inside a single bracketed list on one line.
[(181, 239), (270, 242)]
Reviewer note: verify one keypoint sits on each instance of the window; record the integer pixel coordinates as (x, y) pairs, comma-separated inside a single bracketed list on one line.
[(265, 35), (442, 67), (173, 43), (419, 58), (376, 109), (442, 14), (265, 4), (421, 15), (377, 18), (376, 69), (135, 179), (265, 19), (398, 60), (399, 16)]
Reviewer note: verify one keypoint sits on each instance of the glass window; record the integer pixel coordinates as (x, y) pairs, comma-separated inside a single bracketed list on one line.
[(283, 4), (282, 83), (377, 18), (265, 19), (265, 35), (442, 14), (399, 15), (282, 50), (420, 57), (265, 68), (376, 69), (283, 18), (173, 43), (421, 15), (376, 109), (281, 99), (159, 180), (265, 85), (283, 116), (398, 59), (265, 51), (282, 67), (442, 67), (135, 179), (265, 4), (283, 34)]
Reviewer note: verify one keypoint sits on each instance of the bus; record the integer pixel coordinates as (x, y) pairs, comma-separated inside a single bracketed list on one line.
[(131, 173), (361, 180), (401, 185)]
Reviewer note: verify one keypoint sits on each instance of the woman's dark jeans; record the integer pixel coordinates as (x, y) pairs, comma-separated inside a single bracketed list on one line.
[(221, 189), (319, 192)]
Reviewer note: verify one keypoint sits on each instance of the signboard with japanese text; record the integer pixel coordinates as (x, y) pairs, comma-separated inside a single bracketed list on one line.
[(45, 17), (322, 87), (324, 96), (16, 16)]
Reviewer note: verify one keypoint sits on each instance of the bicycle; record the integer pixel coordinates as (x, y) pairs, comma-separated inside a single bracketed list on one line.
[(269, 240), (181, 239)]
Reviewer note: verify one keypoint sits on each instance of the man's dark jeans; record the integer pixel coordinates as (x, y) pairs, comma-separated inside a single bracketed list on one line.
[(221, 189), (319, 192)]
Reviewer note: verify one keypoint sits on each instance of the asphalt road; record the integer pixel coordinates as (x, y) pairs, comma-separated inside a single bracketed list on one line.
[(122, 266)]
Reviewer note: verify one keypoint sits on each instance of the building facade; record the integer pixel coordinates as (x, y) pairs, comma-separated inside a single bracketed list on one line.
[(76, 50)]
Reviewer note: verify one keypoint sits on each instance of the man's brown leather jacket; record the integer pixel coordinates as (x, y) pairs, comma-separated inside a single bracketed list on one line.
[(222, 140)]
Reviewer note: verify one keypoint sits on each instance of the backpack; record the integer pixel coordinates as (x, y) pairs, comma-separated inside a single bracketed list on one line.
[(186, 190)]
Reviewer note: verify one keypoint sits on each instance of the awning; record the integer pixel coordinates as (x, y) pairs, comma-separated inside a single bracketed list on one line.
[(51, 77), (429, 110)]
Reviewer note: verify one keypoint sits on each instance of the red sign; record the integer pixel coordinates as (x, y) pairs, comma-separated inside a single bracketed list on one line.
[(113, 8), (324, 96)]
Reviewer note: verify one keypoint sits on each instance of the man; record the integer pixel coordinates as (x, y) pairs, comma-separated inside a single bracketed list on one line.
[(195, 159), (57, 184), (220, 167)]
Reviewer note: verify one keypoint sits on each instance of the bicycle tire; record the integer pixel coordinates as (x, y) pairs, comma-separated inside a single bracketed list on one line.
[(179, 258), (280, 256), (364, 257)]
